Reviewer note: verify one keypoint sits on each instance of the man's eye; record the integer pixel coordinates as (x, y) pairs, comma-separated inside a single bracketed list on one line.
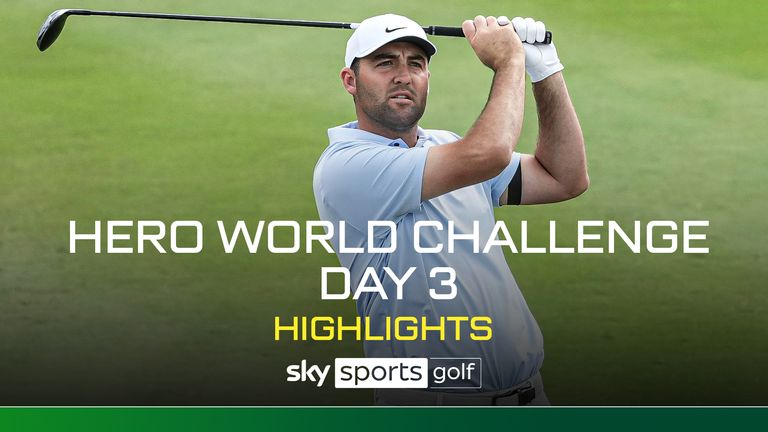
[(385, 63), (417, 64)]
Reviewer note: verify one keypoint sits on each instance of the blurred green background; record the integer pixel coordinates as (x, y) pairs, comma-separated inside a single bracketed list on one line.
[(140, 119)]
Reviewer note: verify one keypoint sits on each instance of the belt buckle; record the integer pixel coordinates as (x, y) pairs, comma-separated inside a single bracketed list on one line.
[(525, 394)]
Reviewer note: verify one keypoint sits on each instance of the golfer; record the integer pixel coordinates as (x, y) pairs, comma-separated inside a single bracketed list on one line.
[(385, 167)]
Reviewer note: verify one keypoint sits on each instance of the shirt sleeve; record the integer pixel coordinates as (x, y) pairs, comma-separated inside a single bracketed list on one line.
[(499, 183), (363, 182)]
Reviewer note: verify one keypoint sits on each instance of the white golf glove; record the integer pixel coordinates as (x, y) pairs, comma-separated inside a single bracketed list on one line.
[(540, 59)]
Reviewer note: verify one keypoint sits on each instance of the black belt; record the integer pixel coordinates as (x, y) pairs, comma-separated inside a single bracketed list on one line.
[(521, 394)]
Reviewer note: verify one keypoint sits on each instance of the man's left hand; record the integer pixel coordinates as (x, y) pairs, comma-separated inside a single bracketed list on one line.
[(541, 59)]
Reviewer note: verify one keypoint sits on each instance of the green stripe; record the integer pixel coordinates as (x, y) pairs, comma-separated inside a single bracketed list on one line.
[(372, 419)]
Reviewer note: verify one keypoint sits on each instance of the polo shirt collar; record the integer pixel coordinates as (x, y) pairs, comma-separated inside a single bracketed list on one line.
[(351, 132)]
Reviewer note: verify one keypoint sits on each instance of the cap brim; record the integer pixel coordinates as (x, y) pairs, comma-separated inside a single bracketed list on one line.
[(427, 46)]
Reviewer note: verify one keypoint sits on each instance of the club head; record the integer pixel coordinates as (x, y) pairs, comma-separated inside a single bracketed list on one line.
[(52, 27)]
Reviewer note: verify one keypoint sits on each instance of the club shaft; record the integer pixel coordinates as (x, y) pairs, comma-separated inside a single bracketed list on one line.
[(213, 18), (431, 30)]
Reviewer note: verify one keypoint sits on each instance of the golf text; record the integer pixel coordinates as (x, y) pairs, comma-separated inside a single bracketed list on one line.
[(186, 237), (420, 373)]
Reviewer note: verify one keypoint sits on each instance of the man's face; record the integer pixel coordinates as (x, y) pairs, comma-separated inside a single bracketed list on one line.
[(392, 85)]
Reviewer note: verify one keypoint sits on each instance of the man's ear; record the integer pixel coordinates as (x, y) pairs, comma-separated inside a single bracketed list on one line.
[(349, 80)]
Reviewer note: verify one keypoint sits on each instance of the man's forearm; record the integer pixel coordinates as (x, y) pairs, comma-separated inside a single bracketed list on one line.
[(560, 147), (498, 126)]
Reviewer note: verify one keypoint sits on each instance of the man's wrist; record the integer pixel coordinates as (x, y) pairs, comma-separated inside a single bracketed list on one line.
[(549, 79), (513, 67), (542, 74)]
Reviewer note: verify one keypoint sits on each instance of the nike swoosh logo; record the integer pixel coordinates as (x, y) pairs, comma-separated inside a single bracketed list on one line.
[(388, 30)]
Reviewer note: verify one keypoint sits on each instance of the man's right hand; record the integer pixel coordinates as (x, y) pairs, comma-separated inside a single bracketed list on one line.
[(498, 47)]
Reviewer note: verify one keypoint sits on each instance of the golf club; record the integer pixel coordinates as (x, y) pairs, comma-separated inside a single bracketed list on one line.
[(54, 24)]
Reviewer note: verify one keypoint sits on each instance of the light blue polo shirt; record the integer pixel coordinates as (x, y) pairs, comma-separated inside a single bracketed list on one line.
[(361, 177)]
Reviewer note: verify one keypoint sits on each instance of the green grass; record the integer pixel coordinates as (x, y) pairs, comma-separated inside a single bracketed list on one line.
[(130, 119)]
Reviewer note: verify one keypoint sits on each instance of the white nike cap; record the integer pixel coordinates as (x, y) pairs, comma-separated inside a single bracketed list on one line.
[(375, 32)]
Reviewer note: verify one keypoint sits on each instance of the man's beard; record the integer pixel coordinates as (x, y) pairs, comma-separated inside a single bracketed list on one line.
[(400, 120)]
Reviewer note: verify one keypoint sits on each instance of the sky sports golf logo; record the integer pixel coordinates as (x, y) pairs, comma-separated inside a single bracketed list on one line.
[(419, 373)]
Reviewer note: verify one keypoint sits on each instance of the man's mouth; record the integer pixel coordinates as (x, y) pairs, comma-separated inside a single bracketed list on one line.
[(401, 95)]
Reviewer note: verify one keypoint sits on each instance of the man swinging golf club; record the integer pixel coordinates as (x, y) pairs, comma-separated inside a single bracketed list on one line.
[(384, 167)]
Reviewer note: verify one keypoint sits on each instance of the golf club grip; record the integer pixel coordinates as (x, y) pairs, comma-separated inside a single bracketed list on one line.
[(458, 32)]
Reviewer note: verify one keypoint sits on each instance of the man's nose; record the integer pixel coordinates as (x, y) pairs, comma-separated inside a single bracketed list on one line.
[(402, 74)]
